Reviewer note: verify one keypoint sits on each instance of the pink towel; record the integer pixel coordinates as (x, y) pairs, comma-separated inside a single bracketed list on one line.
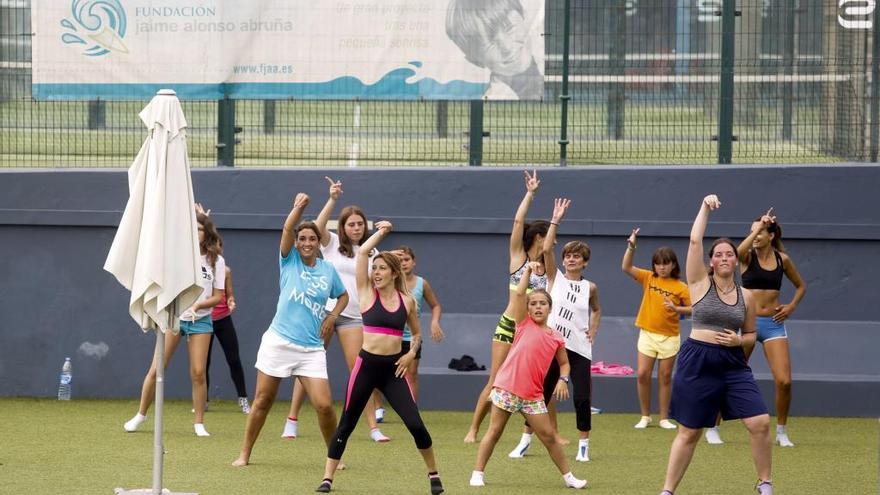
[(600, 368)]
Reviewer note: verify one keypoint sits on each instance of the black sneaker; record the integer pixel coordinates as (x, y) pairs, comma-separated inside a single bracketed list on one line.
[(325, 486), (436, 485)]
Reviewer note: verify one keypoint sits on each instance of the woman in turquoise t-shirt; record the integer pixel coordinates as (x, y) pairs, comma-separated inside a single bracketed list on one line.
[(293, 345)]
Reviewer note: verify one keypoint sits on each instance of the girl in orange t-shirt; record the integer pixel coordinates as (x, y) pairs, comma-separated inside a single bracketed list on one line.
[(665, 300)]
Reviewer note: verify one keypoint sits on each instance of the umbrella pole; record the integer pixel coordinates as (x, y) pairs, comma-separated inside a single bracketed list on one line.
[(158, 451)]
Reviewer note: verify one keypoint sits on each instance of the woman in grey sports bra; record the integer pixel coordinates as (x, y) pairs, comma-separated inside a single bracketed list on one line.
[(712, 374)]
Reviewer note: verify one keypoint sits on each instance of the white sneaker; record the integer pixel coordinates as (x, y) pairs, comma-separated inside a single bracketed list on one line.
[(377, 436), (200, 430), (572, 482), (520, 450), (477, 479), (643, 423), (583, 454), (667, 425), (380, 414), (783, 440), (290, 428), (713, 436), (595, 410), (134, 423), (243, 404)]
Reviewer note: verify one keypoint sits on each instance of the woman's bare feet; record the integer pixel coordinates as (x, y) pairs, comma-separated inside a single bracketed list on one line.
[(240, 462)]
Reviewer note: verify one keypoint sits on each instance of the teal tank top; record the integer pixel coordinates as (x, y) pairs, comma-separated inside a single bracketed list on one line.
[(418, 293)]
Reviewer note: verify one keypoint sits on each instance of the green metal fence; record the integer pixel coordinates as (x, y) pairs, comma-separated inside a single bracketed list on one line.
[(633, 82)]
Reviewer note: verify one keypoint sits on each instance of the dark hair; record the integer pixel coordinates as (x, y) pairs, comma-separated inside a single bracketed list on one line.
[(408, 250), (577, 247), (665, 255), (394, 264), (212, 245), (715, 244), (346, 245), (308, 224), (532, 230), (541, 292), (775, 229)]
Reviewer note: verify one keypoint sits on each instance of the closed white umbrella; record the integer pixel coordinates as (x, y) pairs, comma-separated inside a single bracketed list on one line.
[(155, 253)]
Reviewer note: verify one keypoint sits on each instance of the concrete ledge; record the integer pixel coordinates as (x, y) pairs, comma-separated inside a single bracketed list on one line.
[(835, 373)]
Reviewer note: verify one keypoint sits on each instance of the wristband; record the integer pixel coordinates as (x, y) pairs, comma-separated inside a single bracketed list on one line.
[(333, 315), (554, 223), (564, 378)]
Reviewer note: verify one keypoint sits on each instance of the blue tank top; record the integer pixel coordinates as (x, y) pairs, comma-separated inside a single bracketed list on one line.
[(378, 319), (418, 293)]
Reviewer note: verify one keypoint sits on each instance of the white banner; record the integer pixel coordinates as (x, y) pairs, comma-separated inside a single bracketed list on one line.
[(321, 49)]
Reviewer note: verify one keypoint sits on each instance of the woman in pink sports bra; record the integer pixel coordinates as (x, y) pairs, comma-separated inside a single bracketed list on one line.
[(386, 308), (519, 385)]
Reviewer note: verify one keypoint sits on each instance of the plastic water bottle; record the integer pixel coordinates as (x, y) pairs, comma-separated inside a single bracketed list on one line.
[(64, 382)]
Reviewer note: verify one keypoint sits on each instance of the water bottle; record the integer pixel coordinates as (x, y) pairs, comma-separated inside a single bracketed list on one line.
[(64, 382)]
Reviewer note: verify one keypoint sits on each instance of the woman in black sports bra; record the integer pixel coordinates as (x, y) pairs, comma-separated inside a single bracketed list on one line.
[(763, 262)]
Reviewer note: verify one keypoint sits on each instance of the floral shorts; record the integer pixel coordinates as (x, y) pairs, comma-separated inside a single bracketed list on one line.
[(514, 403)]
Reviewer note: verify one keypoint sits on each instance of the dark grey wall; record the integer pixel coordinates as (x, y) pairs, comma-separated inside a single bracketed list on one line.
[(56, 228)]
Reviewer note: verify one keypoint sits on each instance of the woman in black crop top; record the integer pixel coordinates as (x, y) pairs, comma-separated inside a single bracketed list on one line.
[(386, 307), (712, 374), (763, 262)]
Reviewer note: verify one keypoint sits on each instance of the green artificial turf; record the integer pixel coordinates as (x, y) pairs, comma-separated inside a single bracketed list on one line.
[(79, 447)]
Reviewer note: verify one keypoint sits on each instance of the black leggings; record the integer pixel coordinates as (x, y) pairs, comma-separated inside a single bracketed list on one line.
[(372, 371), (581, 382), (582, 389), (224, 330)]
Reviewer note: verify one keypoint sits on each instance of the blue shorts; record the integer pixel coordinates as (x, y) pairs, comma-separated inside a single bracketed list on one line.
[(711, 378), (202, 325), (768, 329)]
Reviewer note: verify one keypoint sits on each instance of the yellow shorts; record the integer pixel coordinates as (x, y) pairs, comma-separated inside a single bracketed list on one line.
[(658, 346)]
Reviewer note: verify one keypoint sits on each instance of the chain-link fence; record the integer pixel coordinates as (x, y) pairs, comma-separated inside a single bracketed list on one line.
[(634, 82)]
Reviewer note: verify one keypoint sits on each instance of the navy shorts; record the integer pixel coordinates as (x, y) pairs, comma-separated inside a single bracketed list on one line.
[(711, 378)]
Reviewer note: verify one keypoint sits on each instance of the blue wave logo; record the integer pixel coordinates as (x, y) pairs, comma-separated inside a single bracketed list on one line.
[(98, 25)]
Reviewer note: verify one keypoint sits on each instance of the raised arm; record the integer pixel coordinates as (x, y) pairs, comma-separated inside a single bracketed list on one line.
[(436, 311), (696, 269), (288, 233), (627, 264), (744, 250), (327, 210), (362, 260), (518, 297), (560, 206), (517, 252)]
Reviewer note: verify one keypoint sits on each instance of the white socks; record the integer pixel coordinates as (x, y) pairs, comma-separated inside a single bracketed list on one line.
[(782, 437), (643, 423), (713, 436), (200, 430), (289, 429), (377, 436), (380, 414), (477, 479), (583, 454), (572, 482), (522, 447), (134, 423)]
